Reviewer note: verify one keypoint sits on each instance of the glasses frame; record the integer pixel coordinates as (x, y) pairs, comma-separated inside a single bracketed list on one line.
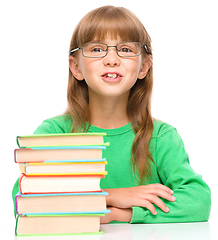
[(76, 49)]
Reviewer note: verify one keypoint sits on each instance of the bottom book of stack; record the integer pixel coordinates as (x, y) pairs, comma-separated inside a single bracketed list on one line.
[(29, 225), (60, 214)]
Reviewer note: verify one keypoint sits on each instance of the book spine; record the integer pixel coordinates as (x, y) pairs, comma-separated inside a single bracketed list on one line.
[(101, 193), (20, 183), (16, 203), (15, 156), (23, 176), (54, 193), (102, 160), (44, 214), (103, 147), (63, 134), (88, 174), (18, 142), (66, 175), (17, 219)]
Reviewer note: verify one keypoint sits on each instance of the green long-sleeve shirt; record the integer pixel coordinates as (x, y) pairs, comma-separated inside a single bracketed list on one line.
[(172, 168)]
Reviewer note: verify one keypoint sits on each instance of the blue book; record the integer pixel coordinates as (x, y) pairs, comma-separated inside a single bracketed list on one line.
[(61, 204), (58, 154)]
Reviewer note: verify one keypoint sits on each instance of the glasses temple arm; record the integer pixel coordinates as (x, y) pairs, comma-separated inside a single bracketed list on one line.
[(74, 50), (146, 49)]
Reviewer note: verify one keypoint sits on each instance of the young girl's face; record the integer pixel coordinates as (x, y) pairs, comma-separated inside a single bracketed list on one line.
[(112, 75)]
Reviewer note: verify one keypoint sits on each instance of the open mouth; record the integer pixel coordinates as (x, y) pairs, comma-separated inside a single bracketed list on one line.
[(112, 76)]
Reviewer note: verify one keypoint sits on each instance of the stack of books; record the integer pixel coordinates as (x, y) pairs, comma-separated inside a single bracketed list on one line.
[(60, 184)]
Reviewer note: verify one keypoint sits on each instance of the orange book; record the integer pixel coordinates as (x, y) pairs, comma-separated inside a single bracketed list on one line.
[(65, 168)]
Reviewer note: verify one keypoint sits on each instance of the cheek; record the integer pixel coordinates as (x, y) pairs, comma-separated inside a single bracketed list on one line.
[(88, 68), (134, 66)]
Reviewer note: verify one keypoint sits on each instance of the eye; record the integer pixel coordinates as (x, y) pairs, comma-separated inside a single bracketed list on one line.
[(124, 49), (97, 49)]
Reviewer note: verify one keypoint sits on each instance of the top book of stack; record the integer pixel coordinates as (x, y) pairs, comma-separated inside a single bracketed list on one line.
[(66, 139)]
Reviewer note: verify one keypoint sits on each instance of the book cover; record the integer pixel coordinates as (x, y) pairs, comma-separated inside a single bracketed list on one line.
[(65, 203), (58, 153), (59, 184), (60, 139), (70, 167), (58, 224), (50, 154)]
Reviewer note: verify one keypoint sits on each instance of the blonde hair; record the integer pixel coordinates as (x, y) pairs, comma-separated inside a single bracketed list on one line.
[(114, 22)]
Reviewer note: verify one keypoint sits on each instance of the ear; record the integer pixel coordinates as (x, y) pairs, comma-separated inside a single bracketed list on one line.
[(146, 64), (74, 68)]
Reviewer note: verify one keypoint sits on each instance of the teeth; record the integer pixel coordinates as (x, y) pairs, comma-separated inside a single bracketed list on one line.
[(112, 75)]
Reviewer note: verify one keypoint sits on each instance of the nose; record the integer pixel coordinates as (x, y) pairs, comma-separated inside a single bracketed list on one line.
[(111, 59)]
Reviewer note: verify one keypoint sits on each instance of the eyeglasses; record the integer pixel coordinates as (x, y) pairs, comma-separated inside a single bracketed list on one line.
[(99, 50)]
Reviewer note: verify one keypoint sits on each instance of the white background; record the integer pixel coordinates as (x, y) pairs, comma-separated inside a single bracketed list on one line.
[(34, 42)]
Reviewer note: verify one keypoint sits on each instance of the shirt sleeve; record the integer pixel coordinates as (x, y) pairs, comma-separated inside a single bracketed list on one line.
[(48, 127), (193, 196)]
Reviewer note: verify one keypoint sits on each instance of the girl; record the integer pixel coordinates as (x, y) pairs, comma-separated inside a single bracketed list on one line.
[(109, 90)]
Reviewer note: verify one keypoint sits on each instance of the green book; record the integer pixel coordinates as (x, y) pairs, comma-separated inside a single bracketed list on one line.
[(69, 224), (66, 139)]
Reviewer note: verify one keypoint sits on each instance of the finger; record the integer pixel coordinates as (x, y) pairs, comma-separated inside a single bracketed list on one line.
[(158, 202), (148, 205), (155, 200), (159, 186), (103, 220), (159, 193)]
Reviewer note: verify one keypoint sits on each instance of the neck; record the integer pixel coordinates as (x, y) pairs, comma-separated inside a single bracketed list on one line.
[(108, 112)]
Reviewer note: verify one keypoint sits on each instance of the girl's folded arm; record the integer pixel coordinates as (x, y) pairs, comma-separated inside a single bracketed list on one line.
[(183, 196), (193, 196)]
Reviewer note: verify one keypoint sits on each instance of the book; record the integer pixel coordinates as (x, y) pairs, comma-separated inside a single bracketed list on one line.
[(65, 139), (60, 191), (55, 154), (57, 224), (74, 167), (59, 184), (33, 204)]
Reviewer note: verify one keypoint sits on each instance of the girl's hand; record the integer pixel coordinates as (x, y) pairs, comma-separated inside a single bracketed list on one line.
[(141, 196), (117, 214)]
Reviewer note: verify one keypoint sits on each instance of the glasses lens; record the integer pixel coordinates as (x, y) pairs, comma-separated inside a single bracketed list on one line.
[(94, 50), (129, 49)]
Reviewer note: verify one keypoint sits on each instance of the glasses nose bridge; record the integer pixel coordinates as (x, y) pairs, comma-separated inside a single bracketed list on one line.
[(115, 46)]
